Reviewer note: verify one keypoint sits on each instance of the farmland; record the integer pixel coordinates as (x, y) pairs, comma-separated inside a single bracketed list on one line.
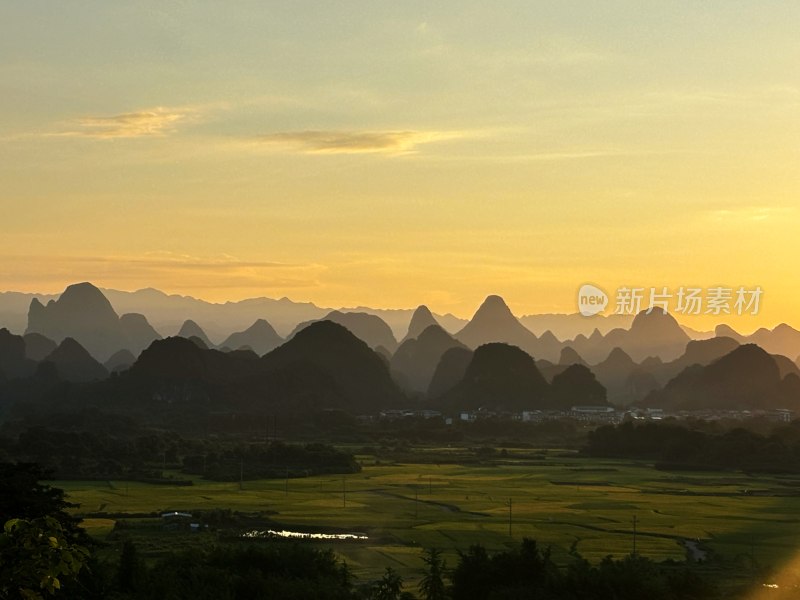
[(732, 520)]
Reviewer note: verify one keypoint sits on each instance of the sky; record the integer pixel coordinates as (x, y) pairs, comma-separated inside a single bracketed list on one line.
[(390, 154)]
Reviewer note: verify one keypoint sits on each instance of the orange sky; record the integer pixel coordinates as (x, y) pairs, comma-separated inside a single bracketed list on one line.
[(391, 155)]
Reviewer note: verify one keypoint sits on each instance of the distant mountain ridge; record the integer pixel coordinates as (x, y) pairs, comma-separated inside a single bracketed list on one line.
[(746, 378), (84, 313), (421, 319), (655, 342), (414, 363), (260, 337), (370, 328), (166, 312), (494, 322)]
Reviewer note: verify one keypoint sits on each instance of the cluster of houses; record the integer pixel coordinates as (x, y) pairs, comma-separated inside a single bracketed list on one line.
[(593, 414)]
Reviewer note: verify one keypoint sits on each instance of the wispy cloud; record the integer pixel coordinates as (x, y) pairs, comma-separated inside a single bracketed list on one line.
[(353, 142), (166, 270), (145, 123), (750, 214), (566, 155)]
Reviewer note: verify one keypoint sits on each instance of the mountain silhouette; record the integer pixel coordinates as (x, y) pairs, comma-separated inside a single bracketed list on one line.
[(173, 358), (323, 367), (420, 321), (615, 374), (698, 352), (260, 337), (782, 339), (655, 334), (190, 329), (570, 357), (168, 311), (415, 361), (576, 386), (494, 322), (83, 313), (728, 331), (550, 370), (747, 378), (569, 326), (785, 365), (567, 357), (74, 363), (137, 332), (38, 346), (358, 372), (500, 377), (450, 371), (704, 352), (14, 363), (369, 328), (119, 361), (198, 342), (14, 309), (179, 360)]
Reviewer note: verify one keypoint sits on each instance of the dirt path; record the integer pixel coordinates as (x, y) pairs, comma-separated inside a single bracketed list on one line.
[(442, 505)]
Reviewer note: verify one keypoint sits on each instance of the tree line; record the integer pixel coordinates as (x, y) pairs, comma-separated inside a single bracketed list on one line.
[(673, 445), (97, 455)]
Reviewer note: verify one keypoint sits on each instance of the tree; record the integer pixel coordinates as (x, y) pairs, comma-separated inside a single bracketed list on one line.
[(389, 587), (41, 546), (432, 585), (129, 571), (23, 496), (37, 558)]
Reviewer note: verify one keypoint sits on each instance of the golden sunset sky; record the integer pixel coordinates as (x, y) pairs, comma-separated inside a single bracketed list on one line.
[(396, 153)]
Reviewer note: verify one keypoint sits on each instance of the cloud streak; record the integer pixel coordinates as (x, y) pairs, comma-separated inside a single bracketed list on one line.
[(353, 142), (750, 214), (166, 270), (156, 122)]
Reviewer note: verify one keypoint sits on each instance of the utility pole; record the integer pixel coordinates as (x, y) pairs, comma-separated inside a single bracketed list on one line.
[(634, 535), (509, 517)]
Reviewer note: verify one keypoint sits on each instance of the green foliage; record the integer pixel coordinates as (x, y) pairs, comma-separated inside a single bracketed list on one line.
[(99, 455), (283, 571), (480, 576), (22, 495), (679, 446), (528, 572), (37, 559), (432, 586), (389, 587), (130, 571)]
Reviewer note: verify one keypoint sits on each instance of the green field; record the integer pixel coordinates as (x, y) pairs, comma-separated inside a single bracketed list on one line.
[(559, 501)]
